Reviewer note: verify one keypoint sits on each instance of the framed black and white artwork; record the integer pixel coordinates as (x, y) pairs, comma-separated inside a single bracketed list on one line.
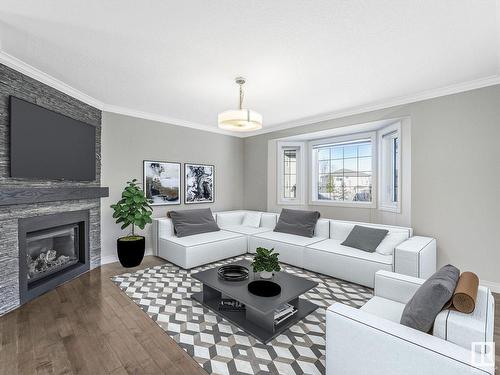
[(199, 183), (162, 182)]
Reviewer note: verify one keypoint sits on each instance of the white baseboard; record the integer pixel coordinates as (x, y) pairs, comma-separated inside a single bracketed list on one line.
[(108, 259), (114, 258), (494, 287)]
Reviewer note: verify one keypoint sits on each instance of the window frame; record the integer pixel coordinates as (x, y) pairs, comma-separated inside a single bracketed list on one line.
[(385, 180), (313, 176), (300, 147)]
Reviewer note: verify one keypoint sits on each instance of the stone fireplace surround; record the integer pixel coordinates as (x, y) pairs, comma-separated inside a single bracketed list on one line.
[(23, 198), (9, 243)]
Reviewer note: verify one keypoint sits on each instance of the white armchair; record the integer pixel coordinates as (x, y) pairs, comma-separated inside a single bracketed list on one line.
[(370, 340)]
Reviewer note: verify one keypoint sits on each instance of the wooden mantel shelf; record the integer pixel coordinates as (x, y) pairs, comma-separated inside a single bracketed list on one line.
[(26, 195)]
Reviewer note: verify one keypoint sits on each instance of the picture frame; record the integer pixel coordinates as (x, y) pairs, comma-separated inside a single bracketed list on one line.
[(162, 182), (199, 183)]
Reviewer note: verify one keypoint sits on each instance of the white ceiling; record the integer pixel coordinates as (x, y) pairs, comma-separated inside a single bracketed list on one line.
[(302, 59)]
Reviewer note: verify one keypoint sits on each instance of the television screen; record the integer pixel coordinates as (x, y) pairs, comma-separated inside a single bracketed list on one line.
[(47, 145)]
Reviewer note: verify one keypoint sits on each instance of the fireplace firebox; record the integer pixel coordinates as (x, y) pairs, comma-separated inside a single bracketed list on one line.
[(52, 249)]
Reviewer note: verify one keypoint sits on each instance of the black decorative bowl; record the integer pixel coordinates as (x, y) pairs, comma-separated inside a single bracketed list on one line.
[(264, 288), (233, 272)]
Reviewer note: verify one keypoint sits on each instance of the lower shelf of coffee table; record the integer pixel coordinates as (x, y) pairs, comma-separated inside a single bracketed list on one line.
[(238, 318)]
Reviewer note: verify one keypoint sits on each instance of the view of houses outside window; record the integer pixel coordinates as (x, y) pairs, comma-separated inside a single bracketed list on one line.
[(344, 172)]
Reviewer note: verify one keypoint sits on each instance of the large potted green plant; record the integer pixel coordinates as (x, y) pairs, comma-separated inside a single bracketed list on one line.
[(132, 210), (266, 262)]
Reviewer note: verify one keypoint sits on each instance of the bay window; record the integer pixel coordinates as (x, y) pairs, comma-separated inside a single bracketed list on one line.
[(358, 170), (343, 170)]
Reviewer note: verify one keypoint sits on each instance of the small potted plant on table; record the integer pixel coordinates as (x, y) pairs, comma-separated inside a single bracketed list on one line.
[(266, 262), (132, 210)]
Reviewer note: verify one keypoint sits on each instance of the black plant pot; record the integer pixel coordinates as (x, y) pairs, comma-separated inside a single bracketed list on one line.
[(131, 252)]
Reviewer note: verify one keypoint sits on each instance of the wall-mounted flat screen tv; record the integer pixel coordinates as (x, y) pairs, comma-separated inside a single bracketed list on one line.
[(47, 145)]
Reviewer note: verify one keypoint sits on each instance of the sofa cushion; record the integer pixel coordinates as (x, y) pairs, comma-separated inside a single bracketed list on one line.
[(384, 308), (289, 238), (339, 230), (393, 239), (229, 218), (245, 230), (422, 309), (365, 238), (268, 219), (203, 238), (252, 219), (191, 222), (297, 222), (335, 246)]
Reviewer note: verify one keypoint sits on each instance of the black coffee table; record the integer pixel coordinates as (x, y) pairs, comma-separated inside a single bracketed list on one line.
[(258, 318)]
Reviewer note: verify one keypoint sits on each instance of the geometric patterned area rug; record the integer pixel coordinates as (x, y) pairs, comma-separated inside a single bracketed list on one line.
[(163, 292)]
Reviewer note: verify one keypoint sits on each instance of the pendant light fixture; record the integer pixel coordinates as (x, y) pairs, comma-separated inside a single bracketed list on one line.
[(242, 119)]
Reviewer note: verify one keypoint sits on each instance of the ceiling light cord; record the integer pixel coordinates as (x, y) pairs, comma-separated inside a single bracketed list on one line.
[(241, 81), (241, 95)]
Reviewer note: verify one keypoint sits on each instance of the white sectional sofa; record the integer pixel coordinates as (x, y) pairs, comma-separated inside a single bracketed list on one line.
[(370, 340), (244, 231)]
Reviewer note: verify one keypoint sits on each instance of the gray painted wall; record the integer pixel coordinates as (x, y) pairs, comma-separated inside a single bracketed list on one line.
[(127, 141), (455, 174)]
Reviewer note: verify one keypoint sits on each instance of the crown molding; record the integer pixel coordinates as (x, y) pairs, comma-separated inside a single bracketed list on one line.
[(30, 71), (22, 67), (407, 99), (165, 119)]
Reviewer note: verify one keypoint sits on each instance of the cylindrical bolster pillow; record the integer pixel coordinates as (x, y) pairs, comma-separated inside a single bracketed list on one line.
[(464, 297)]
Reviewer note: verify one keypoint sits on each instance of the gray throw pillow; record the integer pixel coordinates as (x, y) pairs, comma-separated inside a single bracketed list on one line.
[(365, 238), (421, 311), (298, 222), (189, 222)]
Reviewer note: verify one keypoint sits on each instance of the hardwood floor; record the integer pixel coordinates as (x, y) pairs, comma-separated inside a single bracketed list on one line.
[(88, 326)]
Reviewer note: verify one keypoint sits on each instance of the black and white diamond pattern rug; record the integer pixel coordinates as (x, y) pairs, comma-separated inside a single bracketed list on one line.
[(163, 292)]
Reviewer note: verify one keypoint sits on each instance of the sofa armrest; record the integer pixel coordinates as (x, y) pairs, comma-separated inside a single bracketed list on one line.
[(161, 228), (395, 286), (416, 257), (361, 343)]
